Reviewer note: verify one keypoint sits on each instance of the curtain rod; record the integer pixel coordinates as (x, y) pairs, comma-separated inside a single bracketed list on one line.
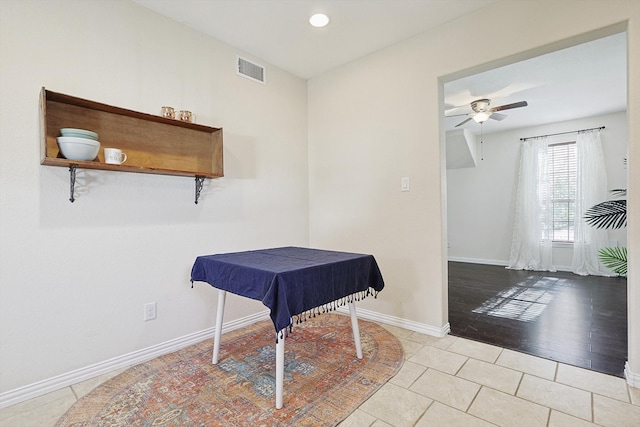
[(560, 133)]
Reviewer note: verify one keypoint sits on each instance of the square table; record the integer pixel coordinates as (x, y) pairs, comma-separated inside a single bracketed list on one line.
[(291, 282)]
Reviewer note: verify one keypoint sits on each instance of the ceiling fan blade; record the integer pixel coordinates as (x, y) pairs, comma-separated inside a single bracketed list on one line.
[(498, 116), (510, 106), (461, 123), (449, 107), (457, 115)]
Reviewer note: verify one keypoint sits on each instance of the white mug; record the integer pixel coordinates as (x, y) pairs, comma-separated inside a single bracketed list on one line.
[(114, 156)]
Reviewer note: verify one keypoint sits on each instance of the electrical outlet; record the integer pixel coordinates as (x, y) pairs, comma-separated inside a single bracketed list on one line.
[(150, 311)]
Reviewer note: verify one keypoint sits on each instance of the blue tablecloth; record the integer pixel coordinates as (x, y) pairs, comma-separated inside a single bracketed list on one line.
[(291, 281)]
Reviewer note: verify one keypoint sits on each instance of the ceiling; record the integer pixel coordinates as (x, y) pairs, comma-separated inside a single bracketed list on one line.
[(278, 31), (581, 81)]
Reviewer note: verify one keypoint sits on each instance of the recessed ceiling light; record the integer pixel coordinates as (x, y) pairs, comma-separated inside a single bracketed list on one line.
[(319, 20)]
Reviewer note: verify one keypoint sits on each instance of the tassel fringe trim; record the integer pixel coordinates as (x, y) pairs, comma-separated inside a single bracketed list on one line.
[(325, 308)]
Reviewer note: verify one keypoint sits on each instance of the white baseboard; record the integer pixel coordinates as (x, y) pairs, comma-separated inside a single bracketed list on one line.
[(478, 261), (399, 322), (40, 388), (502, 263), (633, 379)]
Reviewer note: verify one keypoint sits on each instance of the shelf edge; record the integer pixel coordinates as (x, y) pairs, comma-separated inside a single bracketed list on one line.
[(58, 162)]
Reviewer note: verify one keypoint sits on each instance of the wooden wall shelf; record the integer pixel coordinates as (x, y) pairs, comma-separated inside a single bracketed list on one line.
[(153, 144)]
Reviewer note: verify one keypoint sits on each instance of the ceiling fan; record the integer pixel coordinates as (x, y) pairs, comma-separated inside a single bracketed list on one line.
[(483, 112)]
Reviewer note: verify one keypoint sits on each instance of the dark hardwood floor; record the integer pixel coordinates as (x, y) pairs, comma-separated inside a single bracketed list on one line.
[(580, 321)]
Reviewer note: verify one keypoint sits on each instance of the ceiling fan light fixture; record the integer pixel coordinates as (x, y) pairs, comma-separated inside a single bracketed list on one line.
[(319, 20), (482, 116)]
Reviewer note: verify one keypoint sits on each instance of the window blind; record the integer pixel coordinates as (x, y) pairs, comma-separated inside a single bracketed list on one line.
[(562, 167)]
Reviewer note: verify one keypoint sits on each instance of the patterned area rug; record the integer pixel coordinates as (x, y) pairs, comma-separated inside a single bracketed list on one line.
[(324, 381)]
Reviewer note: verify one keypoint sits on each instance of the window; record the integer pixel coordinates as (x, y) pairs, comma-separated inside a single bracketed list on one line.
[(556, 185), (562, 183)]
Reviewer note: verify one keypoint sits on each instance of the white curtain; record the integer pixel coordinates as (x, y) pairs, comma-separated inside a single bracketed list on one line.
[(591, 189), (531, 245)]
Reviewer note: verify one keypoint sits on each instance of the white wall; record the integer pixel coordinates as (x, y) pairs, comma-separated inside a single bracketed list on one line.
[(74, 277), (369, 123), (481, 200), (378, 119)]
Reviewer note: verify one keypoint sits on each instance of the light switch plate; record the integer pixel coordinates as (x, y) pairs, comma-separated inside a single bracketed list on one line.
[(404, 183)]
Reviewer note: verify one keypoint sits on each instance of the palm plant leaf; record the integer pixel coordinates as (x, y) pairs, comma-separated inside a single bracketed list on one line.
[(609, 214), (619, 192), (615, 258)]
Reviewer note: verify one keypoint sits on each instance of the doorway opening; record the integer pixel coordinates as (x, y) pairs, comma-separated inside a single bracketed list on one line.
[(564, 317)]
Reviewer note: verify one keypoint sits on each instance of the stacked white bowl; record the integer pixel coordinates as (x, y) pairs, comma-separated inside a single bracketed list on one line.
[(78, 144)]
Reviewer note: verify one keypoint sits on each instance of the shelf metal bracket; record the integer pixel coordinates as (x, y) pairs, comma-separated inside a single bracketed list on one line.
[(72, 181), (199, 185)]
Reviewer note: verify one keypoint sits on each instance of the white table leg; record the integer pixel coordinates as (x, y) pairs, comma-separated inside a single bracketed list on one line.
[(222, 295), (279, 368), (356, 330)]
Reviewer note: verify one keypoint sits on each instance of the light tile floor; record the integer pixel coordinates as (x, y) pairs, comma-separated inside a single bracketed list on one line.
[(444, 382)]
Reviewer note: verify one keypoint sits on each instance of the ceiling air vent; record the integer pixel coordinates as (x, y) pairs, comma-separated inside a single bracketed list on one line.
[(251, 70)]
